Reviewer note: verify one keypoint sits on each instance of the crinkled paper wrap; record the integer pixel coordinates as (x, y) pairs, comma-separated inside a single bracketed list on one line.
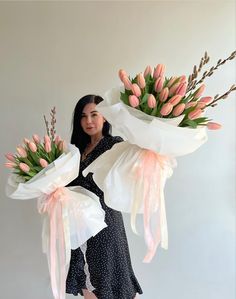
[(132, 174), (72, 215)]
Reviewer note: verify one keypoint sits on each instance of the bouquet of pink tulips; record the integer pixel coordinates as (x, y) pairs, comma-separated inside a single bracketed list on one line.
[(160, 96), (160, 118), (72, 215)]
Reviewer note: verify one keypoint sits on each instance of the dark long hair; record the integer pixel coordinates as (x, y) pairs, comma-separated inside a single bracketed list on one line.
[(78, 137)]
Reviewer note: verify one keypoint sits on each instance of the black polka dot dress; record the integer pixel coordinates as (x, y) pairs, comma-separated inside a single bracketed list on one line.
[(107, 254)]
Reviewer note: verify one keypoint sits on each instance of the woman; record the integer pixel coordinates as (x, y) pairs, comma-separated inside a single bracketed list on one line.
[(107, 267)]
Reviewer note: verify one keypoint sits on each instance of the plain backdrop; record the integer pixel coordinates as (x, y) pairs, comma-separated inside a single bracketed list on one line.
[(53, 53)]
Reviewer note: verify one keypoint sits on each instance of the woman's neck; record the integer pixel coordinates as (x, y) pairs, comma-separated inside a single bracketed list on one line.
[(96, 138)]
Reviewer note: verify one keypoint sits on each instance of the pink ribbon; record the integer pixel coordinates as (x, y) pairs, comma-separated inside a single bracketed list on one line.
[(151, 176), (53, 205)]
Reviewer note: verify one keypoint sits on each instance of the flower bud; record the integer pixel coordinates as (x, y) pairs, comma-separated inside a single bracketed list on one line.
[(62, 146), (21, 151), (127, 83), (10, 164), (206, 100), (43, 162), (57, 139), (178, 109), (159, 71), (201, 105), (191, 104), (181, 89), (159, 84), (136, 90), (122, 73), (183, 79), (199, 91), (213, 126), (24, 167), (164, 94), (47, 147), (141, 81), (173, 89), (175, 100), (26, 141), (148, 71), (47, 139), (32, 147), (171, 81), (195, 114), (133, 101), (10, 157), (166, 109), (36, 138), (151, 101)]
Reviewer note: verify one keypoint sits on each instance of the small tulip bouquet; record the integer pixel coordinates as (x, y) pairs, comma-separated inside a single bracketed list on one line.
[(71, 215), (160, 118)]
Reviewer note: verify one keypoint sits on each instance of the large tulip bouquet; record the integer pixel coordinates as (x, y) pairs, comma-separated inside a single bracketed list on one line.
[(71, 214), (160, 118)]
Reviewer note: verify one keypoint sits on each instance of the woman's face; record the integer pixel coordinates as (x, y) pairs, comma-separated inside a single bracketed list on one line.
[(91, 120)]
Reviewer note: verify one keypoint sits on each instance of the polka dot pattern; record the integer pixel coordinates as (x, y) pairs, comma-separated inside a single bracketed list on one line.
[(107, 254)]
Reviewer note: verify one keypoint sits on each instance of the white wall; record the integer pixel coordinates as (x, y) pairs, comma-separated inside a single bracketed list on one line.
[(52, 53)]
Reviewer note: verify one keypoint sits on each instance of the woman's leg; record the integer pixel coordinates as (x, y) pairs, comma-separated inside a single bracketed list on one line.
[(88, 295)]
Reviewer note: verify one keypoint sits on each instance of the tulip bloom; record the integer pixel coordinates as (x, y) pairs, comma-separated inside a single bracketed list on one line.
[(183, 79), (178, 109), (36, 138), (199, 91), (159, 71), (32, 147), (159, 84), (171, 81), (43, 162), (148, 71), (173, 89), (47, 139), (24, 167), (206, 100), (191, 104), (164, 94), (26, 141), (62, 146), (200, 105), (136, 90), (122, 73), (10, 164), (21, 151), (213, 126), (127, 83), (151, 101), (141, 81), (175, 100), (181, 90), (10, 157), (166, 109), (195, 114), (47, 147), (133, 101), (57, 139)]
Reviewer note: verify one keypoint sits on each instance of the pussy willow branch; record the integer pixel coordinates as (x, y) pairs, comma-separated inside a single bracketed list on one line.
[(53, 122), (223, 96), (46, 123)]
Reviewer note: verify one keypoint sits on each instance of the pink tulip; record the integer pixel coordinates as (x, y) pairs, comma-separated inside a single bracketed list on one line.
[(57, 139), (127, 83), (164, 94), (200, 105), (47, 147), (26, 141), (181, 90), (166, 109), (141, 81), (159, 84), (21, 151), (173, 89), (36, 138), (178, 109), (24, 167), (32, 147), (43, 162), (151, 101), (206, 100), (47, 139), (159, 71), (191, 104), (183, 79), (10, 164), (122, 73), (199, 91), (136, 90), (62, 146), (175, 100), (133, 101), (195, 114), (213, 126), (10, 157), (171, 81), (148, 71)]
